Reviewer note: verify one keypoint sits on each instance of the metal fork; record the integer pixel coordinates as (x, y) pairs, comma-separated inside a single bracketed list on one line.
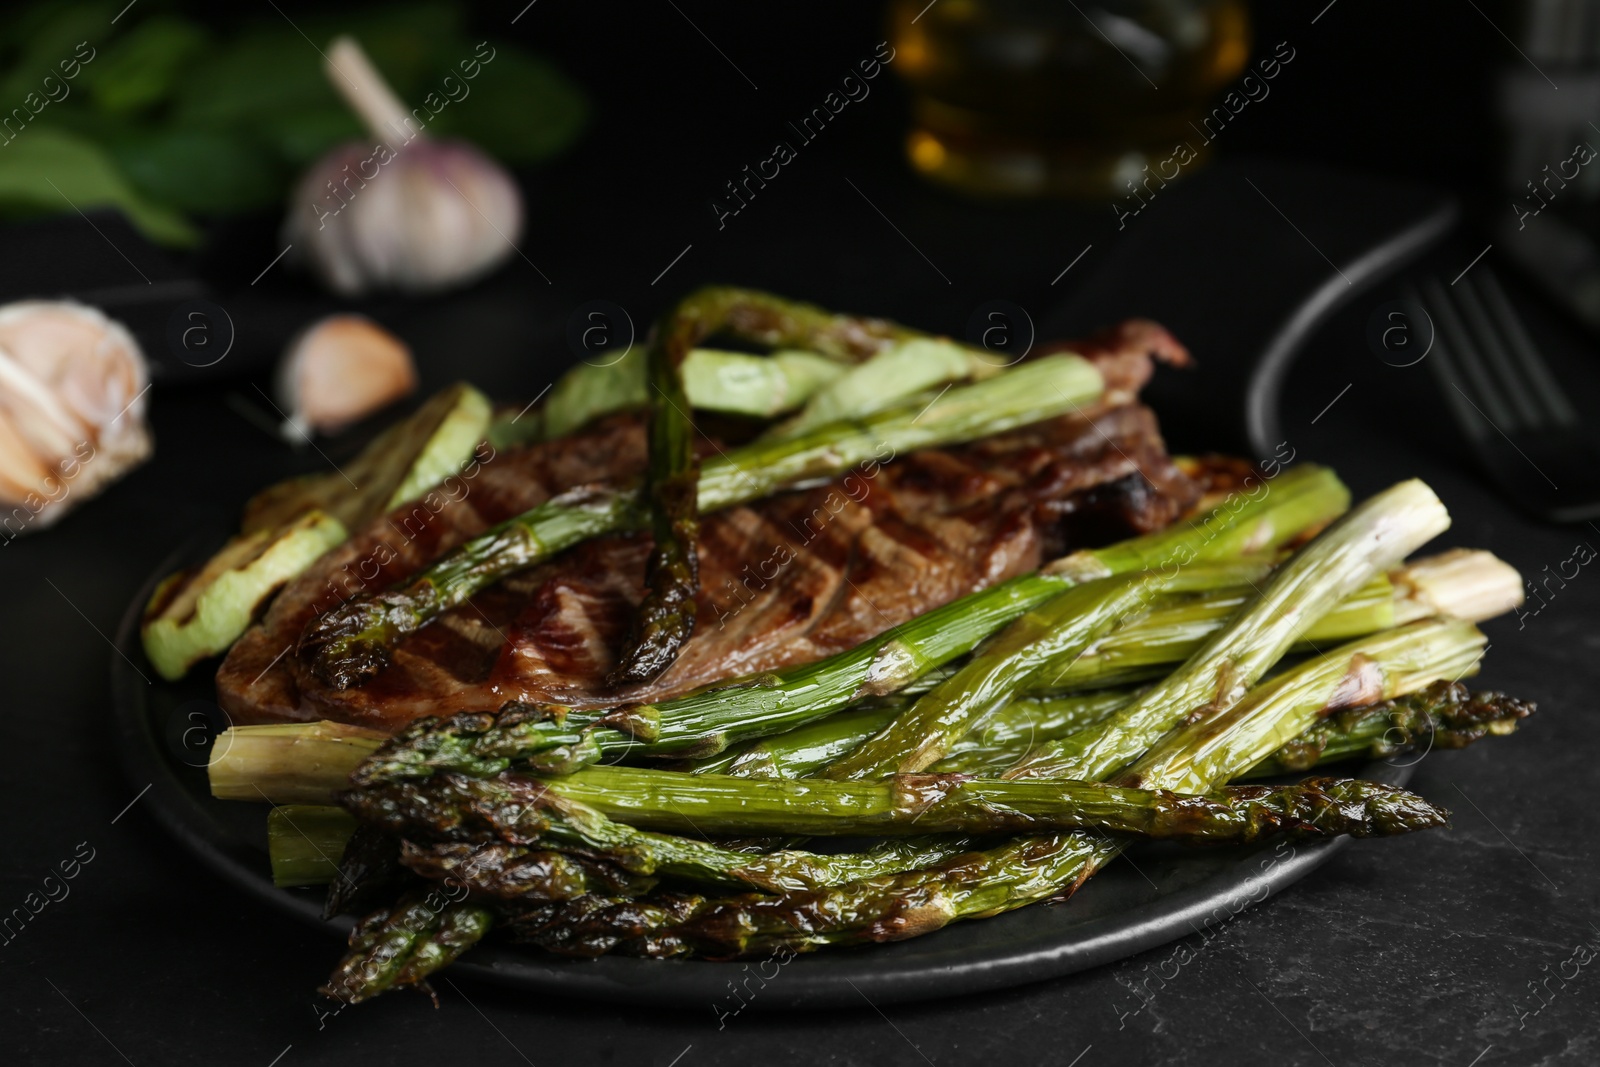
[(1516, 415)]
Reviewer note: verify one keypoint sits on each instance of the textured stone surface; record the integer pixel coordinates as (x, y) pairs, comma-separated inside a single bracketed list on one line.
[(1418, 951)]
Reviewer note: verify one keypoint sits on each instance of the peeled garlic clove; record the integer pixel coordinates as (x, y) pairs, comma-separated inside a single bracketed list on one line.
[(39, 413), (72, 407), (339, 371), (22, 471), (403, 211)]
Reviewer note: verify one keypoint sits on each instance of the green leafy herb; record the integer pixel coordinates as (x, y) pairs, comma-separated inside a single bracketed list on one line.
[(47, 170), (165, 120)]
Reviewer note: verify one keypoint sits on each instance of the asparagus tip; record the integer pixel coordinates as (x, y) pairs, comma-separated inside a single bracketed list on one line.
[(401, 946), (1330, 807), (349, 645), (1388, 809)]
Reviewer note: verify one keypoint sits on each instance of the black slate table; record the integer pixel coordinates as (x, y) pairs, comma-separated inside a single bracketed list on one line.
[(1468, 947)]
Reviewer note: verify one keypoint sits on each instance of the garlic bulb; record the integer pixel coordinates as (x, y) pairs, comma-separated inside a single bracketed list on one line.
[(339, 371), (404, 211), (72, 408)]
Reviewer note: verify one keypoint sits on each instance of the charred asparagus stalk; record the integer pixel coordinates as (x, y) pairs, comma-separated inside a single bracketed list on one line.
[(525, 812), (499, 871), (545, 847), (348, 645), (527, 876), (664, 620), (1394, 663), (706, 722), (904, 804)]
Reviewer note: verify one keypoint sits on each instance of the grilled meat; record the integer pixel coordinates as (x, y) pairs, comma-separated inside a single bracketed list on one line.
[(784, 581)]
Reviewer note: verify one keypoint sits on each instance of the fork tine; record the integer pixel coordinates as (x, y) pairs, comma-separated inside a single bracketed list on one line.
[(1454, 334), (1445, 372), (1539, 378), (1498, 355)]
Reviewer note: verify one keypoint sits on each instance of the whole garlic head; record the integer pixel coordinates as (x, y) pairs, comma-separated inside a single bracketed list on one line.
[(403, 211), (72, 408), (340, 370)]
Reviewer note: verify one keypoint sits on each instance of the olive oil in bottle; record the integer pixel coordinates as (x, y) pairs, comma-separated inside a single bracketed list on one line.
[(1040, 97)]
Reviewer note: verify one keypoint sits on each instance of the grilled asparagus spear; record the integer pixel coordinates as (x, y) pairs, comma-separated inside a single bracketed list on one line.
[(664, 620), (798, 752), (903, 804), (1369, 540)]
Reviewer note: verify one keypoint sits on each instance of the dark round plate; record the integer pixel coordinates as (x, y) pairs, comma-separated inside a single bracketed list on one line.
[(1156, 895)]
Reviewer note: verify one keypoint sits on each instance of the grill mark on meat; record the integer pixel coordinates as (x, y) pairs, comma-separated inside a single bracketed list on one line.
[(577, 617), (794, 584), (852, 558), (793, 581)]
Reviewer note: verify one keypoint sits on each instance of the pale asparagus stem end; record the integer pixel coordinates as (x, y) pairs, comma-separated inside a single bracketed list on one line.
[(1463, 583), (292, 763), (1081, 566)]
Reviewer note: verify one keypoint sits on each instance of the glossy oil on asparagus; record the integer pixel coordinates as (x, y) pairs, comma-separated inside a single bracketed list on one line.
[(513, 808), (1034, 867)]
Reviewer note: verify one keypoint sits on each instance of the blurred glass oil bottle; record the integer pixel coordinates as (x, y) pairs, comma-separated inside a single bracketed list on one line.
[(1041, 97)]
